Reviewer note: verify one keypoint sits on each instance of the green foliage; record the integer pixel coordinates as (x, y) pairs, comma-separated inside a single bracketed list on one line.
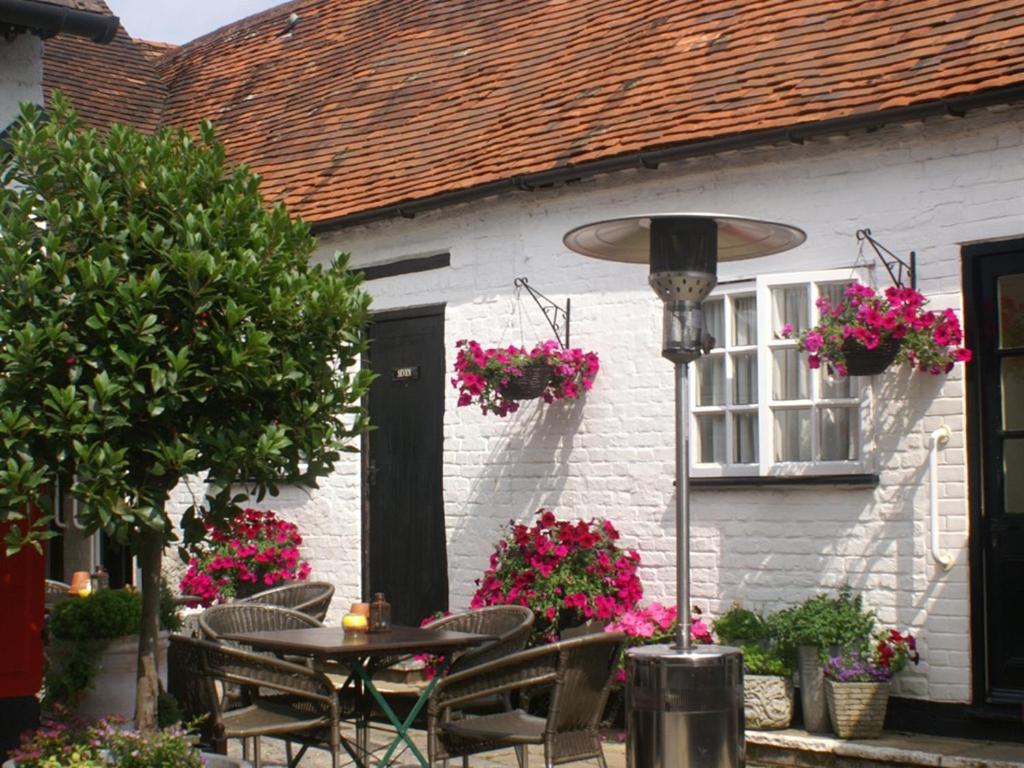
[(740, 626), (158, 320), (759, 660), (103, 615), (86, 625), (825, 622)]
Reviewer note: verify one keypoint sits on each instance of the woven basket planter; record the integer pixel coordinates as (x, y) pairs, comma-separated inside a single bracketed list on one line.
[(767, 701), (869, 362), (535, 379), (857, 709)]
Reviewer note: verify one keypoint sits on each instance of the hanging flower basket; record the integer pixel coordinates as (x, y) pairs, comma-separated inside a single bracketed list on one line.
[(496, 379), (865, 333), (861, 361), (531, 384)]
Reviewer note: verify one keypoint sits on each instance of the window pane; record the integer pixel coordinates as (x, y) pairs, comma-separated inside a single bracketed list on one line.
[(791, 376), (714, 321), (834, 292), (837, 434), (1013, 392), (744, 439), (744, 383), (744, 321), (793, 435), (789, 305), (1013, 472), (834, 387), (711, 437), (711, 381), (1011, 311)]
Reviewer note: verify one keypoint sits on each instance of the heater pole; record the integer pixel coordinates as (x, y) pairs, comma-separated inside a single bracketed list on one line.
[(682, 510)]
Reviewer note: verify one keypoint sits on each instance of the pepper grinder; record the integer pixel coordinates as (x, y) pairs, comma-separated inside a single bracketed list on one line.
[(380, 614)]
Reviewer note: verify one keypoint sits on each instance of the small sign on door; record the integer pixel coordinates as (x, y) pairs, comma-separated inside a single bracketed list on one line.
[(408, 373)]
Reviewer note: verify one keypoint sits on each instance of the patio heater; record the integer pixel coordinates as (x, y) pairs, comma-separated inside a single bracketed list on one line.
[(684, 702)]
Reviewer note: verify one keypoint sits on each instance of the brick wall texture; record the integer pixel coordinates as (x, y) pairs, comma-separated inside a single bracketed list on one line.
[(928, 187)]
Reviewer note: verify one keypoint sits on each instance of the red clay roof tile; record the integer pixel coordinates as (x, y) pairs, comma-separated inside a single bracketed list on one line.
[(369, 103)]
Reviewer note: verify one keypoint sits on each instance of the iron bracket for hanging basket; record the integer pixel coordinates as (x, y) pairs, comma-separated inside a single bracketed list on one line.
[(557, 317), (894, 265)]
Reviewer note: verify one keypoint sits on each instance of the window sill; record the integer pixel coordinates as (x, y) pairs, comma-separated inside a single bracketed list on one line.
[(806, 481)]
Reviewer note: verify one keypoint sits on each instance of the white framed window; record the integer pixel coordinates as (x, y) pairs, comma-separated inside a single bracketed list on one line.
[(758, 408)]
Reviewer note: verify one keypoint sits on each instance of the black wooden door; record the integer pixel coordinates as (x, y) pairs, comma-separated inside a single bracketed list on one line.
[(404, 554), (997, 300)]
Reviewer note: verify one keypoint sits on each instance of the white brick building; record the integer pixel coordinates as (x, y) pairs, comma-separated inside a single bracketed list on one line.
[(449, 154)]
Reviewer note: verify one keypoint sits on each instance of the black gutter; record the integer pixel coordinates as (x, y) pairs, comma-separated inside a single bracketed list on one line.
[(651, 159), (47, 20)]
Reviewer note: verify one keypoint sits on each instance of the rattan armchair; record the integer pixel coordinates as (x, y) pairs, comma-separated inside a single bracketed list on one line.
[(250, 617), (579, 674), (309, 597), (510, 625), (296, 703)]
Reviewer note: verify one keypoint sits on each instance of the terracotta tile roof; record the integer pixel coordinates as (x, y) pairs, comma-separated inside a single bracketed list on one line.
[(89, 6), (152, 49), (120, 83), (370, 103)]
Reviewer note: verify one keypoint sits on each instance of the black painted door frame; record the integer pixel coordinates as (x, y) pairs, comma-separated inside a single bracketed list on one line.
[(403, 521), (996, 538)]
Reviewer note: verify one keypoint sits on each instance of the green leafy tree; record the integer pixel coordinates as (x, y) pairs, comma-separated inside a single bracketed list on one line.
[(158, 322)]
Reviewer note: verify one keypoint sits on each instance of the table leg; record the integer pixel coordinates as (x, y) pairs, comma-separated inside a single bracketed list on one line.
[(401, 727)]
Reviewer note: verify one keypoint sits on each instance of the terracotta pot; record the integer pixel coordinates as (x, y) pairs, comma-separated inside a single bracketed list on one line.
[(857, 709)]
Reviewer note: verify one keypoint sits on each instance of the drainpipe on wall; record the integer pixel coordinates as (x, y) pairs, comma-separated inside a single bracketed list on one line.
[(47, 20)]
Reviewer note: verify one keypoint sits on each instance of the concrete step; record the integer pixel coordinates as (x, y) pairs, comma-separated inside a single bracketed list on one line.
[(799, 749)]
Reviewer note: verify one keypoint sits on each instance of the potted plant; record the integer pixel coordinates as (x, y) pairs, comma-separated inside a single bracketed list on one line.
[(92, 651), (567, 572), (809, 633), (864, 334), (256, 551), (78, 744), (496, 379), (767, 683), (857, 683)]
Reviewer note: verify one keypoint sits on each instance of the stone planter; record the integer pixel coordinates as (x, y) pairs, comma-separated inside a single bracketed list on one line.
[(857, 709), (113, 689), (210, 759), (812, 690), (767, 701)]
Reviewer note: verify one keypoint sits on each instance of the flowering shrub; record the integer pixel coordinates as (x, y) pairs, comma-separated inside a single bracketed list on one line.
[(481, 375), (653, 625), (108, 742), (566, 572), (890, 654), (930, 341), (257, 549)]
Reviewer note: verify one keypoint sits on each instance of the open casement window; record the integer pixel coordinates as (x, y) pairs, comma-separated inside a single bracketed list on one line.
[(758, 407)]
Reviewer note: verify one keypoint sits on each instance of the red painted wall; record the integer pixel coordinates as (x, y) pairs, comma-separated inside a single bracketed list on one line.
[(21, 621)]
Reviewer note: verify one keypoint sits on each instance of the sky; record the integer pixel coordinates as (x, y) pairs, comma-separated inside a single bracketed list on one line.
[(178, 21)]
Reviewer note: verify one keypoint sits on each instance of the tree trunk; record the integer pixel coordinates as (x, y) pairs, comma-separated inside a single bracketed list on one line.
[(150, 553)]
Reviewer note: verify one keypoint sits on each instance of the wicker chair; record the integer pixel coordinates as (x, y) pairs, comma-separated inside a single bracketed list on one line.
[(296, 703), (579, 672), (309, 597), (509, 624), (250, 617)]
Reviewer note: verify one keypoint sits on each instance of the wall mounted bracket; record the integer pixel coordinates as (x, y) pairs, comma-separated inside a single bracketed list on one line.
[(557, 317), (894, 265)]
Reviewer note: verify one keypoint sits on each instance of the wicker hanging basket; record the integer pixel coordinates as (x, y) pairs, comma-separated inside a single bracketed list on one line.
[(857, 709), (535, 379), (868, 362)]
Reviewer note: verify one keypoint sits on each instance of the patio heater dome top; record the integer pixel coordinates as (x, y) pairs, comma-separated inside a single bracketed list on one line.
[(628, 239)]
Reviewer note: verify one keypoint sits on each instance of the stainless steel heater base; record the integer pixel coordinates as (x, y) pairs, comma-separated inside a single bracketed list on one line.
[(684, 708)]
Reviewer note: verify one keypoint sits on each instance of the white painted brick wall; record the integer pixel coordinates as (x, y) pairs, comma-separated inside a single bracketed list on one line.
[(21, 75), (924, 187)]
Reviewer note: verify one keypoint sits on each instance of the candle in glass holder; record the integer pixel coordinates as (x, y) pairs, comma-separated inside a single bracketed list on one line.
[(356, 620)]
